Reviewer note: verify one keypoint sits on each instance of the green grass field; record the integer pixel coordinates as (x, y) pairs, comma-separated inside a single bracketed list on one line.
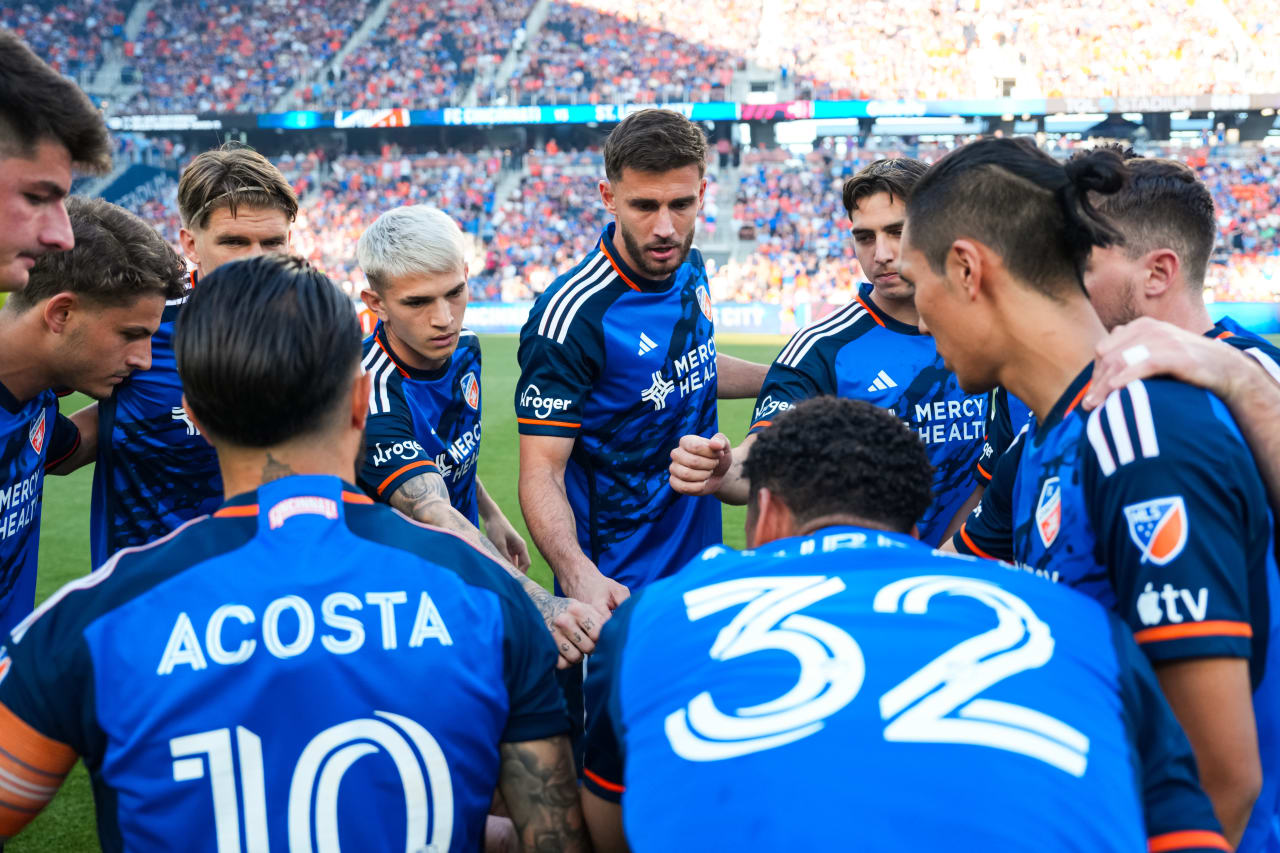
[(67, 825)]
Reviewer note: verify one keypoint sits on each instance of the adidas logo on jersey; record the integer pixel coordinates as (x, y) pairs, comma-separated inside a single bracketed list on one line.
[(882, 382), (646, 344)]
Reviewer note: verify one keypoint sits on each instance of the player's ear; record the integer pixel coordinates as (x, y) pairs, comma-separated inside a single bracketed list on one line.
[(1163, 267), (360, 399), (372, 301), (965, 267), (188, 241), (772, 519), (606, 196), (58, 310)]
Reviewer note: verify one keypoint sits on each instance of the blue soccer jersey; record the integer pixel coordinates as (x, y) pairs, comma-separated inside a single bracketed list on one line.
[(851, 689), (154, 469), (1255, 346), (625, 366), (1151, 504), (423, 420), (33, 438), (304, 670), (861, 353)]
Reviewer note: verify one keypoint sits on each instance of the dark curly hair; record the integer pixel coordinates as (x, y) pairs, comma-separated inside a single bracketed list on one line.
[(832, 456)]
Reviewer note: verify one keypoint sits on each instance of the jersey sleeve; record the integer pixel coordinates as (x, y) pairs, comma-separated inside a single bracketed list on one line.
[(46, 711), (996, 436), (1179, 816), (64, 441), (536, 704), (789, 383), (603, 760), (988, 531), (1170, 508), (392, 455), (555, 380)]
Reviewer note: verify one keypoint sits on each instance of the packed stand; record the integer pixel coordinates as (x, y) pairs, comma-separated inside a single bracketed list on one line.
[(73, 36), (358, 188), (240, 57), (587, 55), (885, 49), (424, 56)]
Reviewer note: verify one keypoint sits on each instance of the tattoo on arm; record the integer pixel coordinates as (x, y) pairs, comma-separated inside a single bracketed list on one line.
[(425, 498), (275, 469), (540, 786)]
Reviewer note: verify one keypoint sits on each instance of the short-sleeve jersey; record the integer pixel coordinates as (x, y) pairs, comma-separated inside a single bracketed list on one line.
[(1006, 416), (154, 469), (423, 420), (33, 439), (851, 689), (304, 670), (1257, 347), (625, 366), (861, 353), (1152, 504)]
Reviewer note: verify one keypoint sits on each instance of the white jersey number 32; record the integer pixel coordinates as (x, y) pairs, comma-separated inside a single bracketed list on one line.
[(938, 703)]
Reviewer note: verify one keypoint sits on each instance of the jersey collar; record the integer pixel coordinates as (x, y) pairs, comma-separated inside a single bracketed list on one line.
[(853, 537), (632, 278), (864, 299), (1224, 328), (278, 501), (380, 339), (1067, 403), (10, 403)]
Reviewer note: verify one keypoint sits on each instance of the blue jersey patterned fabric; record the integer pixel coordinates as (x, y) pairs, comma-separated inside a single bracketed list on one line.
[(624, 366), (423, 420), (861, 353)]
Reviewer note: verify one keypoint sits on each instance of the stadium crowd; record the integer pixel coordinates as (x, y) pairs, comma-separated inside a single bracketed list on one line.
[(73, 36)]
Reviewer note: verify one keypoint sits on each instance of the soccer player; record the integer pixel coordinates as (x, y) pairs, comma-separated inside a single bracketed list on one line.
[(618, 360), (47, 126), (423, 438), (306, 669), (1165, 216), (1151, 504), (154, 469), (842, 686), (871, 350), (84, 321)]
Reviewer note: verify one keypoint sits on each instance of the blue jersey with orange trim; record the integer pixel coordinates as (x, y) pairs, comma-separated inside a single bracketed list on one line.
[(861, 353), (304, 669), (853, 689), (33, 438), (1152, 504), (154, 469), (1259, 348), (423, 420), (624, 366)]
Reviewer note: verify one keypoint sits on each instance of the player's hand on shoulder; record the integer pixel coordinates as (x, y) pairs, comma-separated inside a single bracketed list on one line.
[(1147, 347), (699, 465)]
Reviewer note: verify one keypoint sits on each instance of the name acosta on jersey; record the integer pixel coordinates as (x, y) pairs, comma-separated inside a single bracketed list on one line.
[(19, 500), (227, 640)]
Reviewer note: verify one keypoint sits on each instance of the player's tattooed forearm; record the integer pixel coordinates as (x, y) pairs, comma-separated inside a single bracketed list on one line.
[(541, 789), (275, 469)]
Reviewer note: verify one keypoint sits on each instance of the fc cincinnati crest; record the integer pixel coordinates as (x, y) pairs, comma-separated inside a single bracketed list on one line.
[(1159, 528), (36, 435), (471, 390), (704, 301), (1049, 511)]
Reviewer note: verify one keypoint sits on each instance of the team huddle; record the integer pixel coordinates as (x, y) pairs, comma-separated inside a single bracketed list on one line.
[(1010, 578)]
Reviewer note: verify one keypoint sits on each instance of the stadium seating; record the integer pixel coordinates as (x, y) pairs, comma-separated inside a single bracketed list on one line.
[(72, 35)]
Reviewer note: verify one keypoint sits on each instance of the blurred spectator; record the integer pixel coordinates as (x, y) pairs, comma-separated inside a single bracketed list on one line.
[(73, 36)]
